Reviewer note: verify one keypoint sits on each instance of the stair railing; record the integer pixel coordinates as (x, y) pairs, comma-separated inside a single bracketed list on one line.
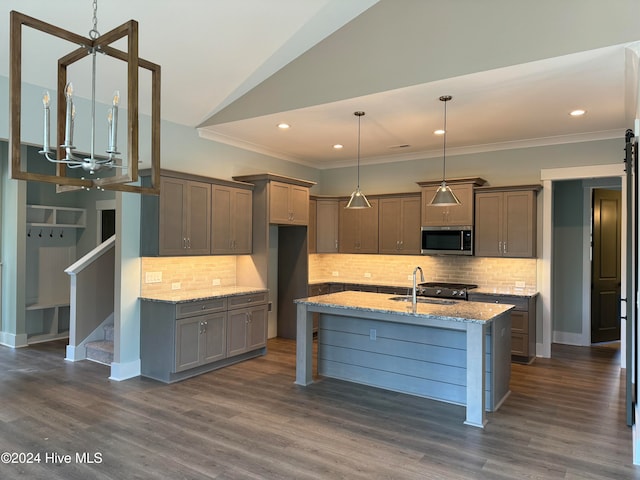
[(92, 296)]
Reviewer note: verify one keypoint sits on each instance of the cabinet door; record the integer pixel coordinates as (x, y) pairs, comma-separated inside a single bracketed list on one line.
[(410, 226), (369, 228), (242, 221), (312, 237), (198, 218), (237, 324), (518, 228), (390, 225), (327, 226), (221, 240), (358, 230), (488, 224), (299, 205), (187, 343), (213, 337), (434, 216), (172, 228), (257, 328), (279, 203)]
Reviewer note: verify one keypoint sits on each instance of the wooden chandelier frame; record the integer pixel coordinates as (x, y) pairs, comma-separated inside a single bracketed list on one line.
[(122, 183)]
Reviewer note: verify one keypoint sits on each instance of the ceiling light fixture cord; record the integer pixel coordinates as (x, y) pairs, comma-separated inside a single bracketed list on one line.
[(359, 114), (445, 99)]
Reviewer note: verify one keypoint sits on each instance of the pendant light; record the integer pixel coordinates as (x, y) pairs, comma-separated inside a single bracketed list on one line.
[(444, 197), (358, 200)]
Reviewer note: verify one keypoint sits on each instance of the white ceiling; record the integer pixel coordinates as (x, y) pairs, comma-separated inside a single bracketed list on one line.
[(213, 52)]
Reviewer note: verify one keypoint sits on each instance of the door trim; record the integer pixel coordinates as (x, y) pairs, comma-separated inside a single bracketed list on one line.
[(545, 261)]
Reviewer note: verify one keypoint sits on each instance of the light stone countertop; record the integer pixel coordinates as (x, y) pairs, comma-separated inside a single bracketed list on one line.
[(506, 291), (183, 296), (459, 311)]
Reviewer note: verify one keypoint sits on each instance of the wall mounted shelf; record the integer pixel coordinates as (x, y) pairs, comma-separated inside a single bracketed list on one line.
[(52, 216)]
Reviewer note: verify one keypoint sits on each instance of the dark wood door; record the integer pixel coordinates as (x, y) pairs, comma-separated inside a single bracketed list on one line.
[(605, 266)]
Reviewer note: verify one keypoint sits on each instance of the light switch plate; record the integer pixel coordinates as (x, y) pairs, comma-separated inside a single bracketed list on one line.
[(520, 284), (153, 277)]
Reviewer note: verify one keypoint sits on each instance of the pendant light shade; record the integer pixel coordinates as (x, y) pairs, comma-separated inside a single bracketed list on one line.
[(444, 197), (358, 199)]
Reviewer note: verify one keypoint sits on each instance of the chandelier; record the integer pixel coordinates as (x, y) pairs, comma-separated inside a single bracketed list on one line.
[(64, 155)]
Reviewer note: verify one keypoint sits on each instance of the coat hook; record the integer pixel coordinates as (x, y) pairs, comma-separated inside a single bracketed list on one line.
[(29, 233), (40, 234), (61, 233), (51, 233)]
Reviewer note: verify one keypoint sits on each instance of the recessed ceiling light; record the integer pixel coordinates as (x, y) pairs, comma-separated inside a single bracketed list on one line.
[(439, 132), (284, 126), (577, 113), (337, 146)]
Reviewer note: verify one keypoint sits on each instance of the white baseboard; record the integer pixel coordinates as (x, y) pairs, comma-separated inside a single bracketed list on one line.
[(75, 354), (12, 340), (124, 371)]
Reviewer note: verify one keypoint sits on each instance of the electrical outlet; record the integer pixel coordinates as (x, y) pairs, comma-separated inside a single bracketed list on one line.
[(367, 275), (216, 281), (153, 277), (372, 334), (334, 274), (409, 277), (520, 284), (175, 286)]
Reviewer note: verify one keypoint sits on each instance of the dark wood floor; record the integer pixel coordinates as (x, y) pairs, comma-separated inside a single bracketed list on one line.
[(564, 419)]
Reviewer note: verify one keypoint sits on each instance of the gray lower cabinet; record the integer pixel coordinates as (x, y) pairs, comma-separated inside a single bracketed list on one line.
[(247, 323), (181, 340)]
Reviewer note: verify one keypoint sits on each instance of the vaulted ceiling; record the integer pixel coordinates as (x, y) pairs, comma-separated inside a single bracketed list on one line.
[(235, 69)]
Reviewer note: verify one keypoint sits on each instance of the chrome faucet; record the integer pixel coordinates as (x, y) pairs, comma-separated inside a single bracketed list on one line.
[(414, 298)]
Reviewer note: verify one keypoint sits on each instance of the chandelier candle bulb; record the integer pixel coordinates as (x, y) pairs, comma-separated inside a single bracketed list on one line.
[(68, 130), (47, 114), (113, 126)]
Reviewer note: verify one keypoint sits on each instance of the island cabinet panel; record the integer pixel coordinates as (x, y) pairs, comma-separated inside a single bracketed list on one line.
[(399, 225), (505, 222), (358, 228), (418, 360), (231, 220)]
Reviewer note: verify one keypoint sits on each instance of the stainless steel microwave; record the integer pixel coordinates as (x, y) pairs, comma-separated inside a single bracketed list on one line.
[(447, 240)]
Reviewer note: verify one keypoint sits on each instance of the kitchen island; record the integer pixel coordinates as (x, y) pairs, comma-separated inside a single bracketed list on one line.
[(453, 351)]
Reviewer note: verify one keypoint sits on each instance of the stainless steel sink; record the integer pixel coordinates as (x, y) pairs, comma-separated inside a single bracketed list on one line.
[(436, 301)]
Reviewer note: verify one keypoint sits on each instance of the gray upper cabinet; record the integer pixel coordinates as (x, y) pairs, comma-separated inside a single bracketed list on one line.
[(196, 215), (399, 225), (232, 220), (327, 219), (505, 222), (358, 228), (185, 217), (288, 204), (460, 215)]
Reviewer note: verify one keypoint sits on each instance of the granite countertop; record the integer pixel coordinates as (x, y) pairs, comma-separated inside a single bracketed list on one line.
[(486, 290), (182, 296), (458, 311), (506, 291)]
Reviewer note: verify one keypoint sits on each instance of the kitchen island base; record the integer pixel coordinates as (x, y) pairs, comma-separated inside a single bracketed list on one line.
[(460, 362)]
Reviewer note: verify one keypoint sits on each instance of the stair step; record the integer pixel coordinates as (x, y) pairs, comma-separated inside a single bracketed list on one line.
[(101, 352), (108, 332)]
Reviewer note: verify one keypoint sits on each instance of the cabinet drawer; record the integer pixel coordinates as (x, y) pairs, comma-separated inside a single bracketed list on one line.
[(521, 303), (243, 301), (519, 322), (201, 307), (520, 344)]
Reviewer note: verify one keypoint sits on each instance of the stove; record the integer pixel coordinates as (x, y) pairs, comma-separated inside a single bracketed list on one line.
[(445, 290)]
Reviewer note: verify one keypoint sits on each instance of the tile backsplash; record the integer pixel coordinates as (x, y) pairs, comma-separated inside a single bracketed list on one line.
[(164, 274), (192, 273), (395, 269)]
